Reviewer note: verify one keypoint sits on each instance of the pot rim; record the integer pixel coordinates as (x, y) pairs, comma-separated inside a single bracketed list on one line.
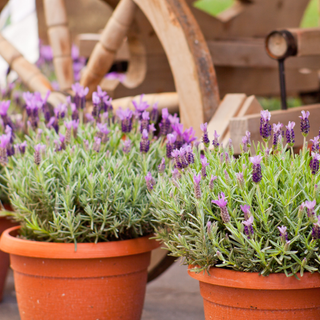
[(39, 249), (252, 280)]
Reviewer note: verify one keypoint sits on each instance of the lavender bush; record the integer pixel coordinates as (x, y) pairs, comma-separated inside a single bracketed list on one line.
[(254, 213), (70, 181)]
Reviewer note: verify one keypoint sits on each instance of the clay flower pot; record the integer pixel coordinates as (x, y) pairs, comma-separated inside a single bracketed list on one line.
[(98, 281), (4, 257), (229, 294)]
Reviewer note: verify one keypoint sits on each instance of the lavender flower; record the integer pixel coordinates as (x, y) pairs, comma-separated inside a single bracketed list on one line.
[(96, 144), (4, 106), (80, 95), (96, 101), (145, 121), (222, 204), (189, 154), (154, 114), (230, 146), (171, 139), (246, 210), (310, 205), (276, 134), (53, 123), (183, 157), (60, 111), (4, 143), (165, 126), (283, 234), (315, 144), (145, 143), (140, 106), (314, 163), (239, 176), (204, 163), (256, 170), (316, 229), (178, 129), (209, 227), (176, 174), (248, 228), (265, 126), (149, 181), (211, 185), (37, 153), (68, 131), (246, 141), (290, 133), (189, 135), (127, 146), (86, 144), (205, 138), (196, 185), (126, 119), (22, 147), (227, 177), (176, 155), (103, 132), (304, 123), (74, 111), (162, 166), (215, 141)]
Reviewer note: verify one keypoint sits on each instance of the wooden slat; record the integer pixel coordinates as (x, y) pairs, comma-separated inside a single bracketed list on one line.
[(228, 108), (308, 41), (239, 126)]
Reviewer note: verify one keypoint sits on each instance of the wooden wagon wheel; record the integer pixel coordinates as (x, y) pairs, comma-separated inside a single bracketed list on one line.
[(181, 38)]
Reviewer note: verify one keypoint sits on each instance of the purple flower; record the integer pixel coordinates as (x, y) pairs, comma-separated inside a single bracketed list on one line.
[(145, 143), (209, 227), (204, 163), (183, 157), (283, 233), (222, 204), (314, 162), (310, 205), (304, 123), (246, 141), (215, 141), (315, 144), (126, 119), (171, 139), (4, 106), (103, 132), (74, 111), (174, 119), (316, 229), (149, 181), (80, 95), (97, 144), (176, 155), (144, 121), (189, 154), (22, 147), (37, 153), (265, 126), (205, 138), (176, 174), (248, 228), (60, 111), (196, 185), (212, 181), (290, 133), (178, 129), (162, 166), (140, 106), (239, 176), (256, 169), (154, 115), (276, 133), (165, 125), (89, 117), (246, 210), (189, 135), (4, 144), (96, 101), (127, 146)]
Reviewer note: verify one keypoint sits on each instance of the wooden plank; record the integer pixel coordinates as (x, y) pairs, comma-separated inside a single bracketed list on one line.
[(239, 126), (308, 41), (228, 108)]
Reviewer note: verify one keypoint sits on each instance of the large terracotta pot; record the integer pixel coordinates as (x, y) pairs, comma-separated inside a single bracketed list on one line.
[(5, 223), (98, 281), (229, 294)]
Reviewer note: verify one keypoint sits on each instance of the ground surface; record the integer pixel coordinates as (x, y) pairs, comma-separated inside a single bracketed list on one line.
[(172, 296)]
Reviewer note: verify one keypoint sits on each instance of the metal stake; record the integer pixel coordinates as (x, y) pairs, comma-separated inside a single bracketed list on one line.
[(282, 78)]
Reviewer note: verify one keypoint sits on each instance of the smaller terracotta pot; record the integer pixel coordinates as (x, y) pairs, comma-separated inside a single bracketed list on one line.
[(5, 223), (98, 281), (230, 295)]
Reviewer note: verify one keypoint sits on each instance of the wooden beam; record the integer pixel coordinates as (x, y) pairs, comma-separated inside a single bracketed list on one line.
[(228, 108), (239, 126)]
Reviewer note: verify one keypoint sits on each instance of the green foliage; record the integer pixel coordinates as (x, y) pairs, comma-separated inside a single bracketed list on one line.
[(184, 220), (80, 195)]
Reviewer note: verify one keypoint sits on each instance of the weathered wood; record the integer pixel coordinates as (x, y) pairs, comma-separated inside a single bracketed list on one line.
[(188, 57), (239, 126), (228, 108), (111, 39), (2, 4), (308, 41), (168, 100), (59, 38)]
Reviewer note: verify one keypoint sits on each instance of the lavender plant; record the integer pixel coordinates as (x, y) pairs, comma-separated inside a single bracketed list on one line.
[(253, 213), (83, 182)]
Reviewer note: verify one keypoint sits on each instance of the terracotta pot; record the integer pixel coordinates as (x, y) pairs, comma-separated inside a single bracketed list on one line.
[(98, 281), (5, 223), (229, 294)]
